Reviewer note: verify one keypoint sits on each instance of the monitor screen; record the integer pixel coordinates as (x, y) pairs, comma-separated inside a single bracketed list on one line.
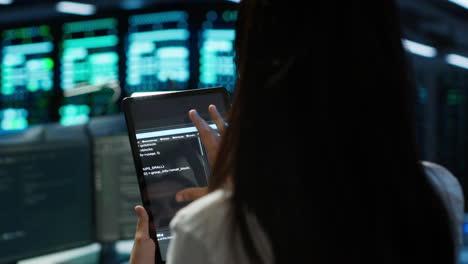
[(27, 71), (116, 186), (158, 52), (46, 187), (216, 49), (89, 69)]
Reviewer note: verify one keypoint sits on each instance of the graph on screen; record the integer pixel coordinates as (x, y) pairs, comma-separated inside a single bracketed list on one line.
[(216, 47), (158, 52), (89, 62), (27, 71)]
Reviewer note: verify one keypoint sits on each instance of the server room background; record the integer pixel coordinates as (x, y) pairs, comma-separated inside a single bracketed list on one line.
[(67, 181)]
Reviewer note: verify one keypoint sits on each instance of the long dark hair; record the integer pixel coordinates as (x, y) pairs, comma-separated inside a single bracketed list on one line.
[(321, 144)]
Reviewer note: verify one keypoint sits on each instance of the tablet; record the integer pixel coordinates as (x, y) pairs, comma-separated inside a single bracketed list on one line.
[(167, 151)]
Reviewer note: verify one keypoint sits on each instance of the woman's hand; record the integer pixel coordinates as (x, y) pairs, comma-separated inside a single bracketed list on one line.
[(210, 139), (190, 194), (143, 251), (209, 136)]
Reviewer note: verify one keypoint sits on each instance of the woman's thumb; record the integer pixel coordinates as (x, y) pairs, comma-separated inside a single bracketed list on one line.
[(143, 223)]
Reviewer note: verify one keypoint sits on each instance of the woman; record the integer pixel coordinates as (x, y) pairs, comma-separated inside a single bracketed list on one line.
[(319, 162)]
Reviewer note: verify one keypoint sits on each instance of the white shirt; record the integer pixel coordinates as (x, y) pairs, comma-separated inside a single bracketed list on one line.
[(450, 190), (201, 229), (201, 234)]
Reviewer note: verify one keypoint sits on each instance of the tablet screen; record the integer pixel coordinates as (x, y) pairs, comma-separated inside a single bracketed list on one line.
[(168, 150)]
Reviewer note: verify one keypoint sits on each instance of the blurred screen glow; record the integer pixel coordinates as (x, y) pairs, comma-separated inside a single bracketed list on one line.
[(26, 76), (457, 60), (13, 119), (75, 8), (74, 114), (217, 67), (462, 3), (158, 54), (6, 2), (419, 49), (89, 53), (89, 58), (28, 66)]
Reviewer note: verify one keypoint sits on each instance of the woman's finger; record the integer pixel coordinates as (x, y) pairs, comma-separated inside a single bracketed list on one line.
[(217, 118), (191, 194), (202, 126), (209, 136)]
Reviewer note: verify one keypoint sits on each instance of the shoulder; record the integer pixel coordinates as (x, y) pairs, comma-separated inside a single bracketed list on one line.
[(440, 176), (208, 221), (428, 165), (207, 212), (449, 188)]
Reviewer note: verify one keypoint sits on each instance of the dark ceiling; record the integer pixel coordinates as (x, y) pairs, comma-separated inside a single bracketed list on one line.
[(23, 11), (434, 22)]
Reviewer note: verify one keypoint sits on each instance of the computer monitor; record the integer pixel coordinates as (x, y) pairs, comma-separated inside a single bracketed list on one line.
[(158, 51), (216, 48), (116, 184), (46, 189), (89, 69), (27, 76)]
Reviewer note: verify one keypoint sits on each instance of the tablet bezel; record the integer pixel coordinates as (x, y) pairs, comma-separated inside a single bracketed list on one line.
[(128, 103)]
